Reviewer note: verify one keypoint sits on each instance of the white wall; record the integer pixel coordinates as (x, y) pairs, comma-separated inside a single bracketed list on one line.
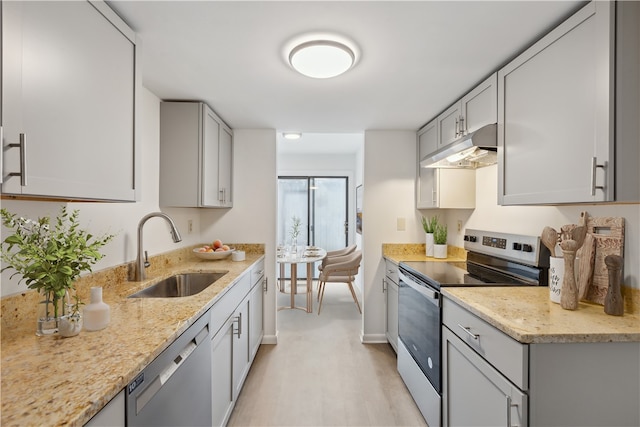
[(121, 218), (389, 175), (253, 216), (488, 215)]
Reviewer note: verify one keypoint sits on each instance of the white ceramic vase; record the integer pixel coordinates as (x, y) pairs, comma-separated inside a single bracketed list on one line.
[(429, 244), (440, 251), (556, 276)]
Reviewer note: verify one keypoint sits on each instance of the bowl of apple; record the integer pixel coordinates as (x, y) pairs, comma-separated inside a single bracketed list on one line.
[(216, 250)]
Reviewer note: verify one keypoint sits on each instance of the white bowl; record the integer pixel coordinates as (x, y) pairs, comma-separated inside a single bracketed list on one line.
[(212, 255)]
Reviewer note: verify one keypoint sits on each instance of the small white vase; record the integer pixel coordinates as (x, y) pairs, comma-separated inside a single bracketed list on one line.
[(556, 276), (440, 251), (70, 325), (97, 314), (429, 244)]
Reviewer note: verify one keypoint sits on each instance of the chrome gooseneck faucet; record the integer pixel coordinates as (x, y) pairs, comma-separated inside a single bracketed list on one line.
[(141, 262)]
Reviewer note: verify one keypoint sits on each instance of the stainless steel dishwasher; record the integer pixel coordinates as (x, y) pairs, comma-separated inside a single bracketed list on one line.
[(175, 389)]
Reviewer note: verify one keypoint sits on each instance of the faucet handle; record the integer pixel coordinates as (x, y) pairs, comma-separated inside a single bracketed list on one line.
[(146, 260)]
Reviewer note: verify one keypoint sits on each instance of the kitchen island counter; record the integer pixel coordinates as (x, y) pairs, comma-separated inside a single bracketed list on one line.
[(65, 381), (527, 315)]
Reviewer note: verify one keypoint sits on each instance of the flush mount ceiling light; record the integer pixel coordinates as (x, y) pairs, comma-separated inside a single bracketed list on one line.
[(321, 56), (292, 135)]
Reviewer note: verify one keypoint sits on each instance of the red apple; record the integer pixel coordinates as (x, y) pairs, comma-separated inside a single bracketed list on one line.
[(220, 250), (217, 244)]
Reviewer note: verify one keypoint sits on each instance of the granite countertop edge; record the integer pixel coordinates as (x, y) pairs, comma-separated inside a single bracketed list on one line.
[(102, 363), (528, 316)]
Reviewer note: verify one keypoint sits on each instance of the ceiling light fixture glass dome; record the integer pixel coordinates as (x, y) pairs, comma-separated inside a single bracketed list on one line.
[(322, 59)]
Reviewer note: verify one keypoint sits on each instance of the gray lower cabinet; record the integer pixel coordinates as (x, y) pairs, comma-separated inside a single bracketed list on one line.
[(112, 415), (475, 392), (391, 289), (256, 309), (491, 379), (196, 157), (237, 325), (70, 96), (222, 374), (568, 109)]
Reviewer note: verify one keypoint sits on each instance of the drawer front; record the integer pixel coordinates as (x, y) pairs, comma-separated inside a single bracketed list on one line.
[(391, 271), (257, 272), (227, 304), (507, 355)]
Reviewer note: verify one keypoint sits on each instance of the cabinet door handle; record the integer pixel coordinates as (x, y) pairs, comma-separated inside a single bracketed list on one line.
[(463, 130), (23, 159), (265, 285), (238, 320), (457, 127), (384, 284), (434, 197), (468, 331), (509, 406), (594, 167)]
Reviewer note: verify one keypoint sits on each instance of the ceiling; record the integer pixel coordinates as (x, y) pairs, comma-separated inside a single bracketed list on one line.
[(416, 56)]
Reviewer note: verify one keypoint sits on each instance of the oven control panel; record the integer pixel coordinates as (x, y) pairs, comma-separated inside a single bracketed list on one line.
[(494, 242), (516, 247)]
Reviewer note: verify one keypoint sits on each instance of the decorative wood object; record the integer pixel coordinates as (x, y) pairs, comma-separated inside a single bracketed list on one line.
[(549, 238), (608, 233), (586, 259), (569, 292), (613, 303)]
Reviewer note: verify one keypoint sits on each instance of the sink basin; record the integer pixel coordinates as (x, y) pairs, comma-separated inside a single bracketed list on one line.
[(180, 285)]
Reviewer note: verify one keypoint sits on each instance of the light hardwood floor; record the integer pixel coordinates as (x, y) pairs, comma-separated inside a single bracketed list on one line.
[(320, 374)]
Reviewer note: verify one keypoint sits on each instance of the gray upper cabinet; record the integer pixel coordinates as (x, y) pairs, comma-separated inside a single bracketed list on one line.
[(557, 105), (441, 188), (70, 84), (196, 156), (471, 112)]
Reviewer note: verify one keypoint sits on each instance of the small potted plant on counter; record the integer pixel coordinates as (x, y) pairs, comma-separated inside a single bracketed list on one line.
[(429, 226), (50, 254), (440, 241)]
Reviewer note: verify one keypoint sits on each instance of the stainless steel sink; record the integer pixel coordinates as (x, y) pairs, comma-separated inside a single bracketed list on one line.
[(180, 285)]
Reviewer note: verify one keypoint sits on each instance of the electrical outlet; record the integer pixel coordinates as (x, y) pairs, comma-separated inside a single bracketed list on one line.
[(401, 224), (190, 226), (459, 226)]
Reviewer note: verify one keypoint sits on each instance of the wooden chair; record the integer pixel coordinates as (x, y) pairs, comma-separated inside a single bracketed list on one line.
[(341, 269)]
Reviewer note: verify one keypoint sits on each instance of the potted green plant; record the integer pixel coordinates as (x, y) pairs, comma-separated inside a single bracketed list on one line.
[(50, 255), (440, 241), (429, 226)]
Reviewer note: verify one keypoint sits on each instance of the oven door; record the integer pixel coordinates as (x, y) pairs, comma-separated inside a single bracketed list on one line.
[(419, 325)]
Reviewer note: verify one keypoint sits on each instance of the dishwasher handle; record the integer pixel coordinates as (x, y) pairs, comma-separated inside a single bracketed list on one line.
[(161, 379)]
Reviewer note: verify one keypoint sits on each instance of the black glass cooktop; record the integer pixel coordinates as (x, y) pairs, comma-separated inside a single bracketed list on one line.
[(439, 274)]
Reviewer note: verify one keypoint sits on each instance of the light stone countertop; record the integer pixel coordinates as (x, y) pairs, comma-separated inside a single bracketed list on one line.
[(527, 315), (399, 252), (65, 381)]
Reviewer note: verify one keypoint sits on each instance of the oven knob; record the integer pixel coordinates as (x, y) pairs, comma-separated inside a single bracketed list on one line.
[(517, 246), (527, 248), (473, 239)]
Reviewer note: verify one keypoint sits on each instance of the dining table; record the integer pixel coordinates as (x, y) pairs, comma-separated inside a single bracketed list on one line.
[(309, 255)]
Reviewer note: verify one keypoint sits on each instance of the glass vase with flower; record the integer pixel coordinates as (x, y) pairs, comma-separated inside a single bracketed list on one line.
[(50, 255)]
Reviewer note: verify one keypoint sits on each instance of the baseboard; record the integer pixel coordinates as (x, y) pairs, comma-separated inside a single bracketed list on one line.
[(373, 339), (270, 339)]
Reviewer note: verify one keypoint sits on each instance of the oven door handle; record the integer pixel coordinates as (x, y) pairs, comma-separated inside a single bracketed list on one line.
[(430, 294)]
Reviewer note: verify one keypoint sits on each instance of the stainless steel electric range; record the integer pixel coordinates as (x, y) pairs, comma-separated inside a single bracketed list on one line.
[(493, 259)]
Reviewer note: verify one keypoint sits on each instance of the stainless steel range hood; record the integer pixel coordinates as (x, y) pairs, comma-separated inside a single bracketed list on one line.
[(471, 151)]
